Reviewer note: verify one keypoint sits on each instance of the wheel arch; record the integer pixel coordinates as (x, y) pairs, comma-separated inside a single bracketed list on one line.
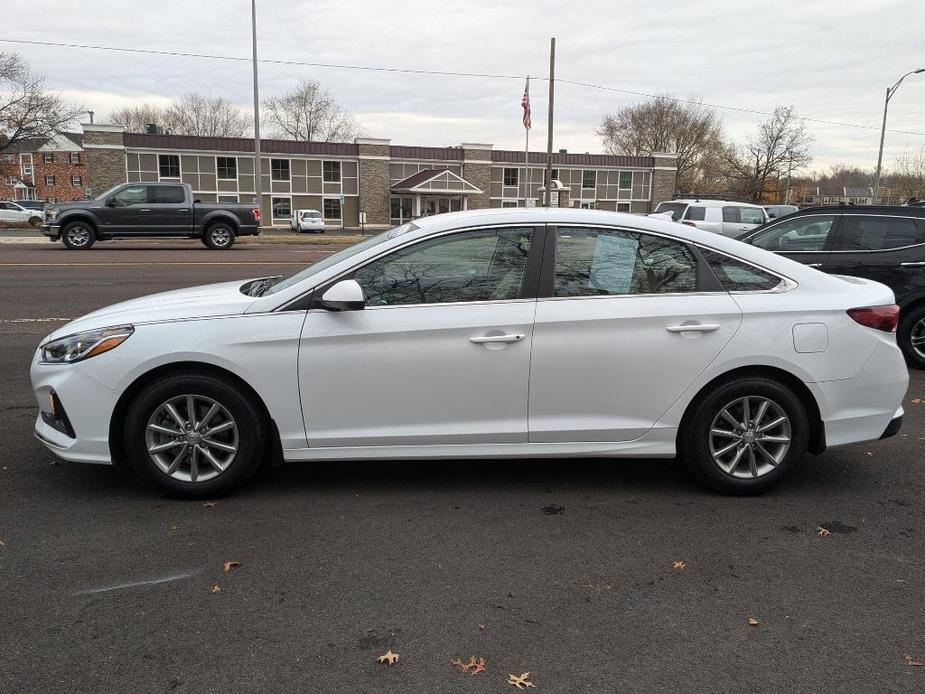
[(79, 217), (817, 428), (220, 217), (117, 421)]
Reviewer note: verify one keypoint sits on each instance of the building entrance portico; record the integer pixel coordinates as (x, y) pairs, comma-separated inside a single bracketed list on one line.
[(429, 192)]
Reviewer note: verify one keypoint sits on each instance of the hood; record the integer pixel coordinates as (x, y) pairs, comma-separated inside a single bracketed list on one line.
[(208, 301), (76, 205)]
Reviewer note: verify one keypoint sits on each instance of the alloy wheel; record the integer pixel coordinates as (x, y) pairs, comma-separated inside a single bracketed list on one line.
[(78, 235), (749, 437), (917, 338), (220, 236), (191, 438)]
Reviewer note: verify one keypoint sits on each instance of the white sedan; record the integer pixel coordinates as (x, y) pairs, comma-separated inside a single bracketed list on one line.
[(485, 334), (16, 213)]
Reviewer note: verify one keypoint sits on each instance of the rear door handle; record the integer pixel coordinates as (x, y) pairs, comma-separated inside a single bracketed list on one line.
[(813, 264), (516, 337), (144, 209), (693, 328), (915, 264)]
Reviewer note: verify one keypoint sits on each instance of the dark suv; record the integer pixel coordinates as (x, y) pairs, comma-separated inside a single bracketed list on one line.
[(885, 244)]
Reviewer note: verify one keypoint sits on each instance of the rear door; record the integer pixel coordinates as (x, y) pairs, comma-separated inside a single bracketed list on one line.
[(807, 239), (883, 248), (737, 219), (169, 212), (622, 329)]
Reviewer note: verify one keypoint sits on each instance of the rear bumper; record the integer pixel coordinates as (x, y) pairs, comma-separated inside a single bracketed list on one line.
[(893, 427)]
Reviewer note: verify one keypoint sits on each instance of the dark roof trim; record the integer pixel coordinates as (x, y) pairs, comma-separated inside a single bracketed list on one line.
[(436, 153), (239, 144), (502, 156)]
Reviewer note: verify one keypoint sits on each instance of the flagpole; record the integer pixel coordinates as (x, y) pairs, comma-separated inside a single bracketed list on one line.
[(527, 155), (552, 87)]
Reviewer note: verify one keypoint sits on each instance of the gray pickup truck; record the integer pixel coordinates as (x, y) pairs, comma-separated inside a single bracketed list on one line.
[(149, 210)]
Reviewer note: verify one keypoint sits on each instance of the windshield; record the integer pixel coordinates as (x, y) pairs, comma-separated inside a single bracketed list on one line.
[(107, 192), (277, 285), (676, 209)]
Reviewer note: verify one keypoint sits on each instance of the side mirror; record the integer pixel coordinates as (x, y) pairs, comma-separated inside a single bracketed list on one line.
[(111, 203), (346, 295)]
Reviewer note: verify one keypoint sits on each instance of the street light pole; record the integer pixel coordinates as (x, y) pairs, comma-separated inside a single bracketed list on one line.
[(258, 172), (886, 104)]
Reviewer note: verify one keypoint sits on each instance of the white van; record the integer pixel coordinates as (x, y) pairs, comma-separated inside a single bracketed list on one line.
[(719, 216)]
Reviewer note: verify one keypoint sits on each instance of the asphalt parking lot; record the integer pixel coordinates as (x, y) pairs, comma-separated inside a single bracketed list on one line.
[(620, 576)]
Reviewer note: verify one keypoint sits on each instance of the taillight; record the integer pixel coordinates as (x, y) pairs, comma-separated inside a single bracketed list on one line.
[(883, 318), (256, 213)]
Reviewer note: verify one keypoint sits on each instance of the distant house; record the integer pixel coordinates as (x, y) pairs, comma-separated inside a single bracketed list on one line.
[(52, 169), (847, 196)]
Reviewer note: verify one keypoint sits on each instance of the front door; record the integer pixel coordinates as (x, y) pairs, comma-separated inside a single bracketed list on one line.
[(440, 354), (127, 210), (621, 336), (806, 239)]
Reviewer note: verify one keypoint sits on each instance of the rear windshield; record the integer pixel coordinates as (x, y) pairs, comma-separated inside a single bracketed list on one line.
[(676, 209), (311, 215)]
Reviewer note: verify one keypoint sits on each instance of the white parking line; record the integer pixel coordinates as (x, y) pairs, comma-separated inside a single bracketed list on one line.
[(130, 264), (136, 584), (35, 320)]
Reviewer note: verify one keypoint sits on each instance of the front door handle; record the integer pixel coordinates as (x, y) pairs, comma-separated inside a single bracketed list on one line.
[(813, 264), (693, 328), (144, 209), (915, 264), (516, 337)]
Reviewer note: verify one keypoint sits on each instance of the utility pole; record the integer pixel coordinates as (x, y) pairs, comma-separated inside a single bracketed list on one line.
[(552, 91), (258, 171), (886, 104), (789, 172)]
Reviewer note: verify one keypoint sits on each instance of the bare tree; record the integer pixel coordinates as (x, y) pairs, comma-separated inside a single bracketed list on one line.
[(666, 124), (907, 176), (27, 109), (309, 112), (191, 114), (781, 146)]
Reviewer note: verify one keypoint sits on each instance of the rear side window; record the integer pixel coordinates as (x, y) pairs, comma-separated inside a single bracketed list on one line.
[(676, 209), (738, 276), (166, 194), (751, 215), (861, 233), (731, 214), (695, 213)]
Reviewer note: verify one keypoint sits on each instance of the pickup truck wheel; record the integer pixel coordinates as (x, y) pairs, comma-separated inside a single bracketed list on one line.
[(219, 237), (78, 236)]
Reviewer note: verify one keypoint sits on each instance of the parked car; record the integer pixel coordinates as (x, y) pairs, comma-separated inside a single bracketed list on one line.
[(150, 210), (306, 220), (719, 216), (489, 333), (14, 212), (32, 204), (885, 244), (778, 211)]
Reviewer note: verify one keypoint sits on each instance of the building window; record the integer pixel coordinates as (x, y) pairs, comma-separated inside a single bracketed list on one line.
[(49, 180), (508, 203), (555, 174), (77, 181), (331, 171), (588, 179), (75, 157), (510, 177), (279, 169), (400, 210), (9, 158), (227, 198), (623, 207), (168, 165), (332, 210), (227, 168), (48, 157), (587, 205), (282, 207), (626, 180)]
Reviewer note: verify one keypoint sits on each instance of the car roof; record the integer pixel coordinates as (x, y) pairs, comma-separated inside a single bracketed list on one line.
[(892, 210), (706, 202)]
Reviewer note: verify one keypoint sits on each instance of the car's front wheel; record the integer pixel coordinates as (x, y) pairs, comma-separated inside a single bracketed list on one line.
[(78, 236), (219, 237), (194, 436), (911, 337), (745, 436)]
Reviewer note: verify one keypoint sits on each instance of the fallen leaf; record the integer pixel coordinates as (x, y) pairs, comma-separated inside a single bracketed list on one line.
[(912, 662), (2, 543), (216, 589), (752, 621), (483, 627), (209, 504), (916, 401), (521, 682), (679, 565), (476, 665), (229, 565), (388, 657), (822, 532)]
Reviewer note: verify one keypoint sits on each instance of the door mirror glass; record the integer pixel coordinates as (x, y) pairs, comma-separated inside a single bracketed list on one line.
[(346, 295)]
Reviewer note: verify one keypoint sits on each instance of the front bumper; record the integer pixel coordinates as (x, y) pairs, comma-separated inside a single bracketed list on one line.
[(52, 231)]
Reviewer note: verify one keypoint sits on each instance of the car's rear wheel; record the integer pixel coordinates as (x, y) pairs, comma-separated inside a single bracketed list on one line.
[(911, 337), (78, 236), (219, 237), (745, 436), (194, 436)]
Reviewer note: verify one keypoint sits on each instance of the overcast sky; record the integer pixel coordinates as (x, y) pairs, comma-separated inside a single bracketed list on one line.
[(831, 59)]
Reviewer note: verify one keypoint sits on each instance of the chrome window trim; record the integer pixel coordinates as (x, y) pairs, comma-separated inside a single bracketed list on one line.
[(408, 243), (446, 303)]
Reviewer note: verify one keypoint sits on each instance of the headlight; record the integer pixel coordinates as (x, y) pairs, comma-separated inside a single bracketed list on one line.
[(50, 213), (71, 348)]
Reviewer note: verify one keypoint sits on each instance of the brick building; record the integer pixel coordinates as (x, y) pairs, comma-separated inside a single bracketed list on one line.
[(52, 169), (371, 178)]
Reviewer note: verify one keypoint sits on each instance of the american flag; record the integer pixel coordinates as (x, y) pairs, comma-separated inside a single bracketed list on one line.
[(525, 103)]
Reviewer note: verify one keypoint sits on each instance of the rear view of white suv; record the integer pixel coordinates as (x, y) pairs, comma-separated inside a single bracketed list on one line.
[(719, 216)]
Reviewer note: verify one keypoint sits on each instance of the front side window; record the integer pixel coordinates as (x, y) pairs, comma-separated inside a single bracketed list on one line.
[(731, 214), (227, 167), (611, 262), (588, 179), (510, 177), (332, 209), (168, 165), (802, 234), (696, 213), (331, 171), (131, 195), (860, 233), (483, 265), (738, 276), (279, 169)]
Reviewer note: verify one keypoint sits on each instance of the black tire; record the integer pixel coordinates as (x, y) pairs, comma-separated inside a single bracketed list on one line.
[(35, 222), (912, 325), (694, 440), (78, 236), (219, 236), (249, 437)]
